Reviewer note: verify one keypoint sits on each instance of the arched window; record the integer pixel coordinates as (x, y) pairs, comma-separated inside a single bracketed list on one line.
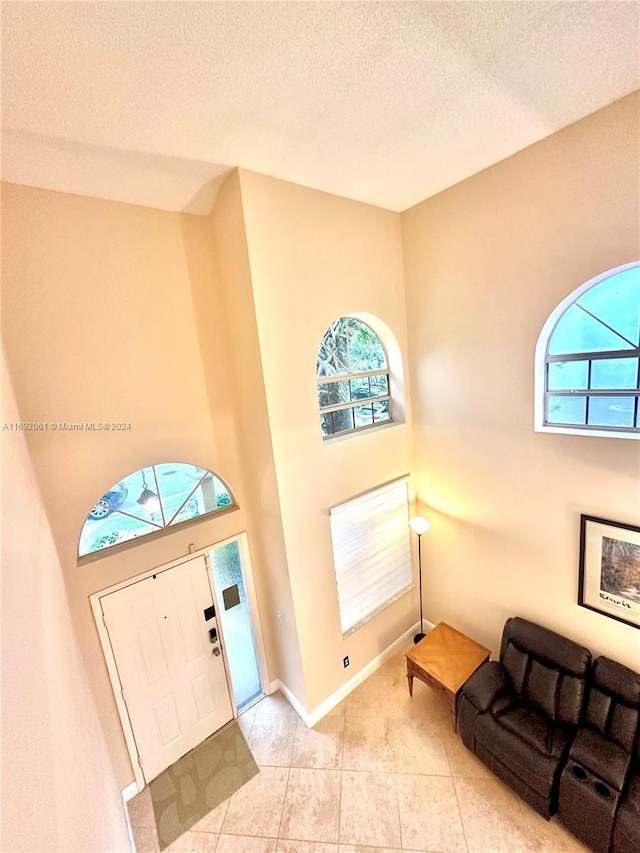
[(150, 500), (588, 359), (353, 378)]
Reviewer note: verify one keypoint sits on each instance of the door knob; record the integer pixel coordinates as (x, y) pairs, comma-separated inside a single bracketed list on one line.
[(216, 650)]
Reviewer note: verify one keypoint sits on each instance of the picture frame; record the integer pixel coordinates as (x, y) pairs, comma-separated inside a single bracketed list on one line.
[(609, 580)]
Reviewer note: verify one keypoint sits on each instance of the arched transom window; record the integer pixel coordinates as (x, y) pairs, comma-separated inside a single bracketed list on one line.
[(150, 500), (591, 345), (353, 378)]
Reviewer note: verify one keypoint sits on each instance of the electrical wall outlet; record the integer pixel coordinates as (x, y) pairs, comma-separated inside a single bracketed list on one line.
[(345, 661)]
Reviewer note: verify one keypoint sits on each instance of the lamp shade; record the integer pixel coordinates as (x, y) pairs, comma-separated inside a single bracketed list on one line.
[(419, 524)]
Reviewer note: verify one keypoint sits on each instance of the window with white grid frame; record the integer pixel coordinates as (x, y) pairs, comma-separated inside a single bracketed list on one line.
[(588, 359), (371, 552)]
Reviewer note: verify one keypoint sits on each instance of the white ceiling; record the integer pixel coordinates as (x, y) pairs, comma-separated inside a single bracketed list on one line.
[(388, 103)]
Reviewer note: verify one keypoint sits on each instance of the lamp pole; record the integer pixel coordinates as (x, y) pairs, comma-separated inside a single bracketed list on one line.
[(419, 526), (420, 636)]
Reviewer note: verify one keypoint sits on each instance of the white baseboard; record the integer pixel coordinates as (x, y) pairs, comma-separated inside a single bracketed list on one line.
[(292, 699), (323, 709), (129, 793)]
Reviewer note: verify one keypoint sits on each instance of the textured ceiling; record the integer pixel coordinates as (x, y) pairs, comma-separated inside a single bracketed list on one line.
[(389, 103)]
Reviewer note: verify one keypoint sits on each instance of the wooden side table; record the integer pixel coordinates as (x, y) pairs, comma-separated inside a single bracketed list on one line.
[(444, 660)]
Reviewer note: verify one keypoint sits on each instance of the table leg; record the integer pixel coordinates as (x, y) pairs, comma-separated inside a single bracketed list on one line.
[(410, 680)]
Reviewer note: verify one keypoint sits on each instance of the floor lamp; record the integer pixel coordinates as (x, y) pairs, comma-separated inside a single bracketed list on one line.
[(419, 525)]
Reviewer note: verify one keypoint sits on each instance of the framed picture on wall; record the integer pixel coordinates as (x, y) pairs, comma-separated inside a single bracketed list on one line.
[(610, 569)]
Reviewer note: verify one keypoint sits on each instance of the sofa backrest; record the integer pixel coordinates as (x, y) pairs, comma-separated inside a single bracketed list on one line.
[(613, 704), (546, 669)]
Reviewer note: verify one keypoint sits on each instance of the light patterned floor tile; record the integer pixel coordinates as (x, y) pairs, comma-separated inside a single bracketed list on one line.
[(462, 761), (366, 745), (257, 806), (146, 839), (369, 810), (550, 836), (358, 848), (276, 705), (245, 721), (245, 844), (286, 846), (312, 805), (272, 738), (415, 750), (429, 816), (140, 809), (491, 817), (321, 746), (194, 842)]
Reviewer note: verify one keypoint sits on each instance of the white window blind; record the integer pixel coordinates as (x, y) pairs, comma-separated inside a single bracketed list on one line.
[(371, 552)]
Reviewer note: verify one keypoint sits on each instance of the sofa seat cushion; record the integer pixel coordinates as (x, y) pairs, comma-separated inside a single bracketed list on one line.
[(628, 817), (526, 743), (536, 730), (602, 757)]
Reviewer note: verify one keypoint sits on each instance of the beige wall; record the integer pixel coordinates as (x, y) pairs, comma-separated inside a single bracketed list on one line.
[(315, 257), (100, 324), (262, 500), (486, 262), (59, 788)]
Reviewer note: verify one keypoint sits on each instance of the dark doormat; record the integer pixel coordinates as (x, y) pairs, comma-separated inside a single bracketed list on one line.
[(199, 781)]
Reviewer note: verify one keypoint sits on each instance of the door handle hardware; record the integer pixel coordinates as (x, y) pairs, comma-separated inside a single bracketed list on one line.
[(216, 651), (213, 635)]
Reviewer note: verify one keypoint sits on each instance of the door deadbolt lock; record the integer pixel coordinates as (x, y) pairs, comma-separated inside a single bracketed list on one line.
[(213, 635), (216, 650)]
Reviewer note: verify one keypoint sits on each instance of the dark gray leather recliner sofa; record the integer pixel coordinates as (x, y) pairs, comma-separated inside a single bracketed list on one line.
[(520, 714), (626, 828), (599, 763)]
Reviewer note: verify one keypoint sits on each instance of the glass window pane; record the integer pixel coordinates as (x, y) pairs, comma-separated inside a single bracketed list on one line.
[(577, 332), (616, 301), (209, 496), (611, 411), (333, 393), (363, 415), (360, 337), (176, 481), (381, 411), (342, 420), (379, 385), (326, 423), (328, 363), (567, 375), (614, 373), (360, 389), (236, 624), (566, 410), (113, 530)]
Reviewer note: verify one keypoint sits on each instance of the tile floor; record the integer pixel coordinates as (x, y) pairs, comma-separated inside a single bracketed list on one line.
[(382, 773)]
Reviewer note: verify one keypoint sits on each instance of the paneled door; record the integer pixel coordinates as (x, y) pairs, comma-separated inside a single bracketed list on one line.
[(173, 676)]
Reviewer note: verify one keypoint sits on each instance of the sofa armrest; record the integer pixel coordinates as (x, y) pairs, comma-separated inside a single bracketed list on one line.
[(486, 684)]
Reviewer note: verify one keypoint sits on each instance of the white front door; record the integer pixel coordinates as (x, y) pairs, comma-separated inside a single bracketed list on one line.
[(173, 677)]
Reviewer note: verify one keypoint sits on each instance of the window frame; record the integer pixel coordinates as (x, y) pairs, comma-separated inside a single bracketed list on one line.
[(163, 526), (543, 359), (349, 377)]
